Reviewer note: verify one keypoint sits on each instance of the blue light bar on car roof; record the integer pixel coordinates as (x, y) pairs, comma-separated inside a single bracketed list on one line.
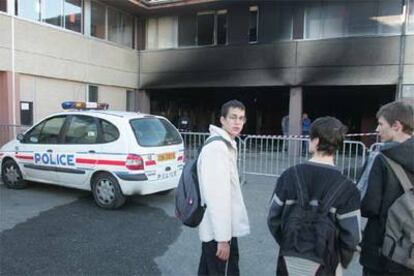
[(84, 105)]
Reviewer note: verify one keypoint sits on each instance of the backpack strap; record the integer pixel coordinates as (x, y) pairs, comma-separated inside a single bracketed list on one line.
[(400, 173), (332, 194), (301, 190)]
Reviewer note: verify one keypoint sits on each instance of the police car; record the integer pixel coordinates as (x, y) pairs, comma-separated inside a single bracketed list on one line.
[(111, 153)]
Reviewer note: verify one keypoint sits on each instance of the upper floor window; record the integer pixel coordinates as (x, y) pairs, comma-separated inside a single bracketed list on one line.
[(253, 24), (212, 27), (324, 19), (162, 32), (410, 25), (3, 5), (120, 27), (98, 15), (111, 24), (73, 15), (61, 13), (29, 9)]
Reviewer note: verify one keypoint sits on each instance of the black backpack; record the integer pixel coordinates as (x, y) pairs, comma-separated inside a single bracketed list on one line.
[(309, 232), (188, 206)]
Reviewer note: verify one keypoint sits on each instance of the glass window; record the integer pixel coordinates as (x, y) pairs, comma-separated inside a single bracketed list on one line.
[(222, 27), (47, 132), (92, 93), (205, 28), (361, 18), (167, 32), (3, 5), (120, 27), (82, 130), (109, 132), (152, 33), (313, 26), (253, 23), (29, 9), (73, 15), (390, 17), (410, 26), (151, 132), (333, 19), (52, 12), (98, 20)]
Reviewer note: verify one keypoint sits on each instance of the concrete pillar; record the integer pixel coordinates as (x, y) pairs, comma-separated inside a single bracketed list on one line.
[(295, 119), (295, 111), (144, 104)]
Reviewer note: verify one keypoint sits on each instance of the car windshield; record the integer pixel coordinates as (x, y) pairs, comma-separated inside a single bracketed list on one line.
[(151, 132)]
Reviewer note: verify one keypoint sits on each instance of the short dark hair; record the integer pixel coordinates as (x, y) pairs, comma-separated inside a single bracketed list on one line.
[(398, 111), (331, 133), (231, 104)]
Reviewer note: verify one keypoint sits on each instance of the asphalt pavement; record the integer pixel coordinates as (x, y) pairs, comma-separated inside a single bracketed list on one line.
[(49, 230)]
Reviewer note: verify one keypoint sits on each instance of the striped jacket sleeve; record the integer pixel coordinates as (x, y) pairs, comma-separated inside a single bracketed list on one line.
[(348, 218), (277, 203)]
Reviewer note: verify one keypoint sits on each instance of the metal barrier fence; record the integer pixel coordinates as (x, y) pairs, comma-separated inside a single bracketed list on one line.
[(9, 132), (271, 155)]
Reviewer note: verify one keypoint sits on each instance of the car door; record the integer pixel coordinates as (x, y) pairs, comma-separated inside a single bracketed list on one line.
[(81, 142), (38, 148)]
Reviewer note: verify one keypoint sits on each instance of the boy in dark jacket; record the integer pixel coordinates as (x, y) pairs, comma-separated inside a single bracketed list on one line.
[(395, 127), (316, 180)]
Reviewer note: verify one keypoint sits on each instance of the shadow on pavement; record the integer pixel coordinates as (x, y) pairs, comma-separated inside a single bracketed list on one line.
[(80, 238)]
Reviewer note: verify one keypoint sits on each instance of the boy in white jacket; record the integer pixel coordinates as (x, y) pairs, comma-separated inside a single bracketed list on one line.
[(225, 218)]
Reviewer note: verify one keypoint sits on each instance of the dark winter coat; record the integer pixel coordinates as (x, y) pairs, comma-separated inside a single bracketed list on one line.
[(344, 211), (383, 189)]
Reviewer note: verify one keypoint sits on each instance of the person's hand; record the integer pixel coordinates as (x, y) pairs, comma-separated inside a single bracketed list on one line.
[(223, 251)]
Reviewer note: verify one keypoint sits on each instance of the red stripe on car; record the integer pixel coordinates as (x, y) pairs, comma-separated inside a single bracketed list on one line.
[(25, 157), (100, 162)]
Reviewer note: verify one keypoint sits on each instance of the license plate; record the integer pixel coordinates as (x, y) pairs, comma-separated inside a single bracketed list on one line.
[(166, 175), (166, 156)]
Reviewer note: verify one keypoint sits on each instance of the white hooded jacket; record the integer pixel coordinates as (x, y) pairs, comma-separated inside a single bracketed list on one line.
[(226, 214)]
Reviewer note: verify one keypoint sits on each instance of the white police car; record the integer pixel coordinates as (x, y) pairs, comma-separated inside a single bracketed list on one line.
[(113, 154)]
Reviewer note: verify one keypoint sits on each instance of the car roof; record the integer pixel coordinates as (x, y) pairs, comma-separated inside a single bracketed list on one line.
[(106, 113)]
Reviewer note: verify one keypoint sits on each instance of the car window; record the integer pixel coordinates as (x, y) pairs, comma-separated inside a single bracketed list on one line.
[(109, 132), (81, 130), (47, 132), (152, 132)]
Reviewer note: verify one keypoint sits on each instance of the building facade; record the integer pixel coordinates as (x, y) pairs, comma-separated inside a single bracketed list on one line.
[(185, 58)]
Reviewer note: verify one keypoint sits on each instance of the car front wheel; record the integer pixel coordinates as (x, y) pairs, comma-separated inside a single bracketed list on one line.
[(106, 191), (12, 176)]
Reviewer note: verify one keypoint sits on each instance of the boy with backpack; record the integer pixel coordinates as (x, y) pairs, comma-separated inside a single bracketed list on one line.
[(314, 211), (388, 241), (225, 216)]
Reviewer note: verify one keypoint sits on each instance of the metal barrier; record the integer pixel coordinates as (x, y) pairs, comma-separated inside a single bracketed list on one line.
[(271, 155), (9, 132)]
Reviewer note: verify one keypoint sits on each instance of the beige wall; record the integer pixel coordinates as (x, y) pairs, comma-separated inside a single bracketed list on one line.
[(46, 51), (115, 97), (47, 95)]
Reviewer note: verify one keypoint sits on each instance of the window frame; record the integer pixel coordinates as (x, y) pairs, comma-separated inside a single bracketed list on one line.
[(257, 24), (215, 14), (43, 122)]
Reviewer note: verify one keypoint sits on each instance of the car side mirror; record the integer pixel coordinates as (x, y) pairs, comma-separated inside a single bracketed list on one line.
[(20, 137)]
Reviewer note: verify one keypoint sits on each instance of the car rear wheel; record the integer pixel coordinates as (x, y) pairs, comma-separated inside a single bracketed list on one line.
[(106, 191), (12, 176)]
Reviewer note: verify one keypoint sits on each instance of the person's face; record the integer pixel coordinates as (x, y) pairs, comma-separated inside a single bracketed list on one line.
[(385, 130), (234, 121)]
